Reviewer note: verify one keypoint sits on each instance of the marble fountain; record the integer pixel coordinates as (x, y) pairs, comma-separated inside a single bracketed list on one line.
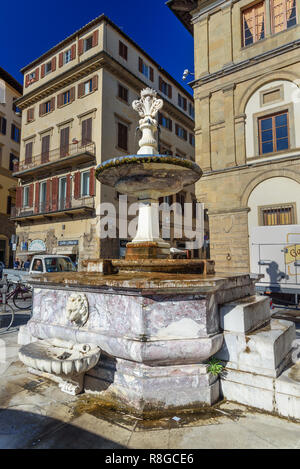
[(140, 332)]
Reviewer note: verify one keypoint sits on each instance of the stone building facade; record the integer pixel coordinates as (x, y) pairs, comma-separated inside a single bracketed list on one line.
[(10, 128), (76, 114), (247, 105)]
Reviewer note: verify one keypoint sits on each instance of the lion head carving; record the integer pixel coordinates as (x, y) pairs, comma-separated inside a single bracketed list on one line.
[(77, 309)]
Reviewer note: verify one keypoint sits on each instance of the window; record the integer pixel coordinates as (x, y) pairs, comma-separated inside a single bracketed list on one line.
[(9, 205), (86, 131), (37, 265), (15, 133), (3, 125), (31, 76), (12, 157), (28, 152), (48, 67), (146, 70), (47, 107), (122, 136), (43, 196), (192, 140), (67, 57), (66, 97), (180, 132), (283, 14), (273, 133), (26, 196), (182, 102), (64, 141), (62, 193), (88, 43), (253, 20), (123, 50), (45, 148), (123, 93), (88, 87), (283, 214), (85, 184), (191, 111), (165, 88), (164, 121), (30, 115)]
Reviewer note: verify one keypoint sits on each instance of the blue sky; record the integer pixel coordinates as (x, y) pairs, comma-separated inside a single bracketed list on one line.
[(28, 29)]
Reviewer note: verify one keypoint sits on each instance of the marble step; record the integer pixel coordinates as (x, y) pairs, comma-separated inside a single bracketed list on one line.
[(245, 314), (265, 351)]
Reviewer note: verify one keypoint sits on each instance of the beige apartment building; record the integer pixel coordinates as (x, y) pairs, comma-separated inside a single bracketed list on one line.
[(76, 114), (247, 115), (10, 131)]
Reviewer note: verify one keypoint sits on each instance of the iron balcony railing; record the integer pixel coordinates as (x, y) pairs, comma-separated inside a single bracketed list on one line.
[(53, 207), (52, 156)]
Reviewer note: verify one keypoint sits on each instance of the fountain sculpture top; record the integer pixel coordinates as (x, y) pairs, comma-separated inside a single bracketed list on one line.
[(148, 176)]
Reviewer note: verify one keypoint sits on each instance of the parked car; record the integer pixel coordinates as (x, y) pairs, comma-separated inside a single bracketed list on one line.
[(51, 263)]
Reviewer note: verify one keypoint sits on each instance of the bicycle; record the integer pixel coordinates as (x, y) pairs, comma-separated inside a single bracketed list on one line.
[(7, 313)]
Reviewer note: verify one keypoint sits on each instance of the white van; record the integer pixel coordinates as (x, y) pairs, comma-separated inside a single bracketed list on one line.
[(51, 263)]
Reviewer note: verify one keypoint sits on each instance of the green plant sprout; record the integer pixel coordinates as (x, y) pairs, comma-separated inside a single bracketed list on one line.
[(215, 367)]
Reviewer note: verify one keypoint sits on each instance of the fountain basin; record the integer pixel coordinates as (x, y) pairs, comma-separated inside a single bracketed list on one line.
[(148, 176), (46, 357)]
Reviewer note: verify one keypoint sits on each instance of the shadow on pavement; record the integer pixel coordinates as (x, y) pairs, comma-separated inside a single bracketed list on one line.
[(23, 430)]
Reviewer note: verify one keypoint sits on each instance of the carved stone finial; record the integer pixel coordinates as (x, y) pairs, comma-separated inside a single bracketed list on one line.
[(147, 107)]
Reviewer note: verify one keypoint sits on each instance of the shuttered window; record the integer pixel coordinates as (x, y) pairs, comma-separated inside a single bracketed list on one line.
[(64, 142), (45, 148), (165, 88), (145, 69), (165, 122), (28, 152), (47, 107), (30, 114), (283, 14), (15, 133), (253, 20), (86, 131), (122, 136), (180, 132), (182, 102), (123, 50), (123, 93)]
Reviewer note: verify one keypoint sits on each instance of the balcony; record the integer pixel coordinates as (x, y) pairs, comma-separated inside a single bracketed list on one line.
[(61, 158), (63, 208)]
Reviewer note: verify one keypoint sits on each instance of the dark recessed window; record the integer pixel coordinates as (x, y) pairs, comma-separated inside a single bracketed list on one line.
[(123, 50), (123, 93)]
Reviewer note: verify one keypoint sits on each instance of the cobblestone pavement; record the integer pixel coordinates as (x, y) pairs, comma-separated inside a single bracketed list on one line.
[(34, 413)]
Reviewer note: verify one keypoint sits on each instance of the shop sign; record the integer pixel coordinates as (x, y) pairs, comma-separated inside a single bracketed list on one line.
[(37, 246), (68, 243)]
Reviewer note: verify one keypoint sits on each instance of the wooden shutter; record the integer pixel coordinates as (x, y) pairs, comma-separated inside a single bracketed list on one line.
[(26, 81), (45, 148), (19, 197), (86, 131), (151, 74), (30, 198), (54, 194), (170, 124), (60, 99), (77, 185), (73, 52), (61, 59), (160, 118), (41, 109), (37, 197), (80, 47), (43, 71), (64, 141), (184, 104), (48, 194), (30, 114), (92, 182), (122, 136), (170, 91), (37, 74), (72, 94), (95, 83), (28, 153), (80, 90), (68, 191), (140, 65), (160, 83), (52, 104), (176, 129), (53, 64), (95, 38), (12, 131)]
